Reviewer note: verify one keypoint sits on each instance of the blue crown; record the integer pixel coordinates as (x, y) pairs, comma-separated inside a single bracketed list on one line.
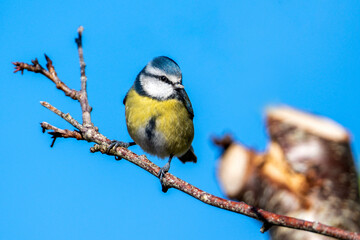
[(166, 64)]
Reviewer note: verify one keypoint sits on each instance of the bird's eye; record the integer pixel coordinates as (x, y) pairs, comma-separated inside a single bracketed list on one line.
[(163, 78)]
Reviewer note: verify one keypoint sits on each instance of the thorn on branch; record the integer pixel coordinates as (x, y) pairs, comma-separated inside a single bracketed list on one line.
[(78, 39), (48, 62), (55, 135), (265, 227), (35, 62), (43, 128)]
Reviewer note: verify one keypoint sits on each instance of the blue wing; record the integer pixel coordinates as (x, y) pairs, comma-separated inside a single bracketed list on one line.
[(124, 101), (185, 99)]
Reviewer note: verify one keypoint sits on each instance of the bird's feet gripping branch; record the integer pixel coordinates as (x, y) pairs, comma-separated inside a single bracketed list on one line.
[(162, 173), (114, 144)]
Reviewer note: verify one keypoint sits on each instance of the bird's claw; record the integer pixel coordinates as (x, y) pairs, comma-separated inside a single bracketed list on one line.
[(114, 144), (162, 173)]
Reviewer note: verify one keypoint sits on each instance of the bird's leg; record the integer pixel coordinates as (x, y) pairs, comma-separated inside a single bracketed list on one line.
[(114, 144), (162, 173)]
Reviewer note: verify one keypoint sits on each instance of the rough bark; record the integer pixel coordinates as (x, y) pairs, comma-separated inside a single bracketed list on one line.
[(307, 172)]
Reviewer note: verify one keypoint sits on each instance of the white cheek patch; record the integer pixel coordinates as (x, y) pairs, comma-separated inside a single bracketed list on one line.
[(156, 88)]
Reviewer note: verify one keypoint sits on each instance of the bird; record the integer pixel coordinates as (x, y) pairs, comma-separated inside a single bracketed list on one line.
[(159, 115)]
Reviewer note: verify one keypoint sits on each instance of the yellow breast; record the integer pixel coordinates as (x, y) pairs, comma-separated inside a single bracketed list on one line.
[(173, 127)]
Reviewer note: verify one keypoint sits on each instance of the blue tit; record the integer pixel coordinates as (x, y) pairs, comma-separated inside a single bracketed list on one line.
[(159, 115)]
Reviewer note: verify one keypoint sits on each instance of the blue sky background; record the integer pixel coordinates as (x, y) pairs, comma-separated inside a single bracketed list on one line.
[(237, 58)]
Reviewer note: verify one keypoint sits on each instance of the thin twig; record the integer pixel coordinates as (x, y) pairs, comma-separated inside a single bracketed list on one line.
[(91, 134), (60, 133), (51, 74), (86, 109), (66, 116), (64, 133)]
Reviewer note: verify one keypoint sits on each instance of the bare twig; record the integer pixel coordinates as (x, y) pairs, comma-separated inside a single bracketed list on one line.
[(66, 116), (51, 74), (90, 133), (86, 109), (64, 133)]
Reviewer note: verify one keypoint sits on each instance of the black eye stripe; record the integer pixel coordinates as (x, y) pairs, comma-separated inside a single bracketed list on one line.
[(166, 80), (161, 78)]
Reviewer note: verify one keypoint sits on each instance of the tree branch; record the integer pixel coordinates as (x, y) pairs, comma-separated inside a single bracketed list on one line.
[(57, 132), (88, 132), (86, 109), (50, 74), (66, 116), (64, 133)]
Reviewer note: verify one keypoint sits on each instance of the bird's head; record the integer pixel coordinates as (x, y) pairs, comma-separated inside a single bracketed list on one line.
[(161, 78)]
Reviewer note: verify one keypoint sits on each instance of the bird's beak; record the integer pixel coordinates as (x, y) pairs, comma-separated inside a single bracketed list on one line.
[(178, 86)]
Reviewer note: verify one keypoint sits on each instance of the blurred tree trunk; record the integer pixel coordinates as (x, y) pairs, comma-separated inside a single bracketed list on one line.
[(307, 172)]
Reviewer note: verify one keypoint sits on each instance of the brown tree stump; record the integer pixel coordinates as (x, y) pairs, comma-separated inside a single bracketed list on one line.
[(307, 172)]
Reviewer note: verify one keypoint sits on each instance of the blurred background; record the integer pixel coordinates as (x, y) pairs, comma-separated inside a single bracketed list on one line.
[(237, 58)]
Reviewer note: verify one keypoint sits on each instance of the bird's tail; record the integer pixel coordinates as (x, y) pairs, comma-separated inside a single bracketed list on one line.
[(189, 156)]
